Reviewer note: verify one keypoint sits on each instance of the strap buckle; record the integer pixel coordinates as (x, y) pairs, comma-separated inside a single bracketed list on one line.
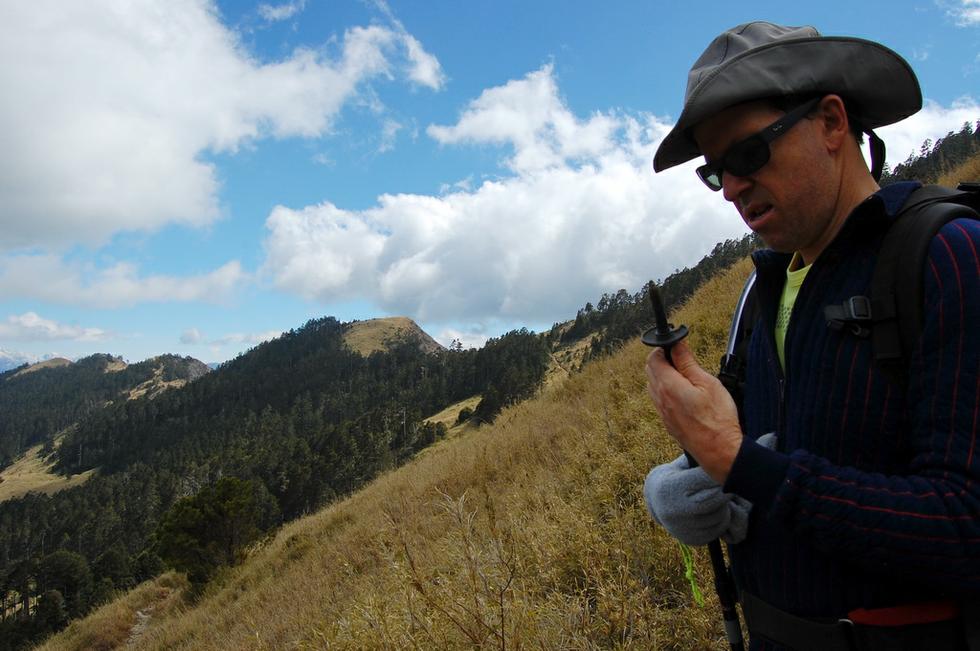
[(855, 314), (858, 308)]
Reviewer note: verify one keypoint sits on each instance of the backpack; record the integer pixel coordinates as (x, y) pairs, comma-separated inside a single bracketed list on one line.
[(893, 315)]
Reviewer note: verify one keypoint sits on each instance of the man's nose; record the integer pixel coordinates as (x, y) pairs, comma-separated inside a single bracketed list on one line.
[(733, 186)]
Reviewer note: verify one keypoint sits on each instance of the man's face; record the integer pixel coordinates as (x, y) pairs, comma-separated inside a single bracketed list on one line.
[(789, 201)]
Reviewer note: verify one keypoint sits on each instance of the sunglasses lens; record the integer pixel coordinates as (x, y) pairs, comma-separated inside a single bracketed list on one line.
[(710, 176), (744, 158), (747, 157)]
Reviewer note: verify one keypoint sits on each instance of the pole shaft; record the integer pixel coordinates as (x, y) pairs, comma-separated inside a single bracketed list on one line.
[(725, 588)]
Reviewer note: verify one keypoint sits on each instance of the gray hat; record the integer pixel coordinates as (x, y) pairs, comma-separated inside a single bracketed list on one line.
[(758, 60)]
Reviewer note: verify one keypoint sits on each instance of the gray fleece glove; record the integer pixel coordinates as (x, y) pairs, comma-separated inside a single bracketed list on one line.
[(691, 505)]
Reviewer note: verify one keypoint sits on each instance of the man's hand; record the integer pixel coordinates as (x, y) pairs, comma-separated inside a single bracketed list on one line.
[(696, 409)]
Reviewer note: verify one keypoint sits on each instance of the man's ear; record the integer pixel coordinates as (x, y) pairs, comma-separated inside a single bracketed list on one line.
[(833, 121)]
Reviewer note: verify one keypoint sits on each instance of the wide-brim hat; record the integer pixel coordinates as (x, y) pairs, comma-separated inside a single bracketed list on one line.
[(759, 60)]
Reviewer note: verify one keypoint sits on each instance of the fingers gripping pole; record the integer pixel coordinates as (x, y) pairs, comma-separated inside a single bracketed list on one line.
[(663, 334)]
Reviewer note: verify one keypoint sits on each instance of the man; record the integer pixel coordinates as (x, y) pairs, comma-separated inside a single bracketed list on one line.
[(864, 530)]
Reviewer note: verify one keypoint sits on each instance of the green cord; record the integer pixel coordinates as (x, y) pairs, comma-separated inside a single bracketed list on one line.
[(689, 573)]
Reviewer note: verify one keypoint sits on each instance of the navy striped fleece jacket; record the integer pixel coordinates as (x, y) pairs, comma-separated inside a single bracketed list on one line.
[(872, 498)]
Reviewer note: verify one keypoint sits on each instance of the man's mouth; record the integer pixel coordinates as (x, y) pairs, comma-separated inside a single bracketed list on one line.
[(756, 211)]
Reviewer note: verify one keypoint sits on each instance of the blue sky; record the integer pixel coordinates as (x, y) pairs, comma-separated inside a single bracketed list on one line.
[(193, 177)]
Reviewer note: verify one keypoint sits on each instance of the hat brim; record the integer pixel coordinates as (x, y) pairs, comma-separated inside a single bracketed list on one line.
[(879, 85)]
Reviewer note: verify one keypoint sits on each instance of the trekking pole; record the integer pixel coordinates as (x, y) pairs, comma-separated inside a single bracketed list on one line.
[(665, 335)]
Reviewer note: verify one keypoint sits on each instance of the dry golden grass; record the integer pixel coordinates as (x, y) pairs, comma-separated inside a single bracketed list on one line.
[(154, 386), (55, 362), (32, 474), (565, 360), (365, 337), (530, 533), (449, 415), (115, 365), (115, 624), (967, 171)]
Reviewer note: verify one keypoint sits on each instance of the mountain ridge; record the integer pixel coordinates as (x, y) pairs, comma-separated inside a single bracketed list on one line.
[(372, 335), (39, 400)]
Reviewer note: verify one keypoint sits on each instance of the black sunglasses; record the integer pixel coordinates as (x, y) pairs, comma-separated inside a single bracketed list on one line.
[(748, 156)]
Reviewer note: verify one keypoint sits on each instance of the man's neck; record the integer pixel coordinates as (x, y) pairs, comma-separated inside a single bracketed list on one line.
[(849, 195)]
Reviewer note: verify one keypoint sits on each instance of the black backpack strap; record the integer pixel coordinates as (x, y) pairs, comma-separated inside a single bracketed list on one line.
[(897, 311)]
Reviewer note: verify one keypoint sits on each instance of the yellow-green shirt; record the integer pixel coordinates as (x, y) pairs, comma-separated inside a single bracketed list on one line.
[(795, 273)]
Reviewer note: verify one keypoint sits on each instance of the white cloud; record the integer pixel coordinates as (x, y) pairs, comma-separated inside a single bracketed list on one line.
[(529, 115), (388, 134), (194, 337), (321, 250), (582, 214), (110, 110), (425, 69), (191, 337), (12, 359), (250, 339), (932, 122), (473, 338), (276, 13), (465, 185), (219, 346), (46, 277), (966, 12), (32, 327)]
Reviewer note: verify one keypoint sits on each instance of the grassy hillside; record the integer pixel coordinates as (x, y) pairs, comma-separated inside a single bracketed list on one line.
[(33, 473), (56, 362), (39, 401), (530, 533), (372, 335), (450, 415), (966, 171)]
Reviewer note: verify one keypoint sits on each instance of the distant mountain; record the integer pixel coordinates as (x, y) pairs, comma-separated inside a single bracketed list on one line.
[(363, 376), (10, 359), (40, 400), (54, 362), (373, 335)]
